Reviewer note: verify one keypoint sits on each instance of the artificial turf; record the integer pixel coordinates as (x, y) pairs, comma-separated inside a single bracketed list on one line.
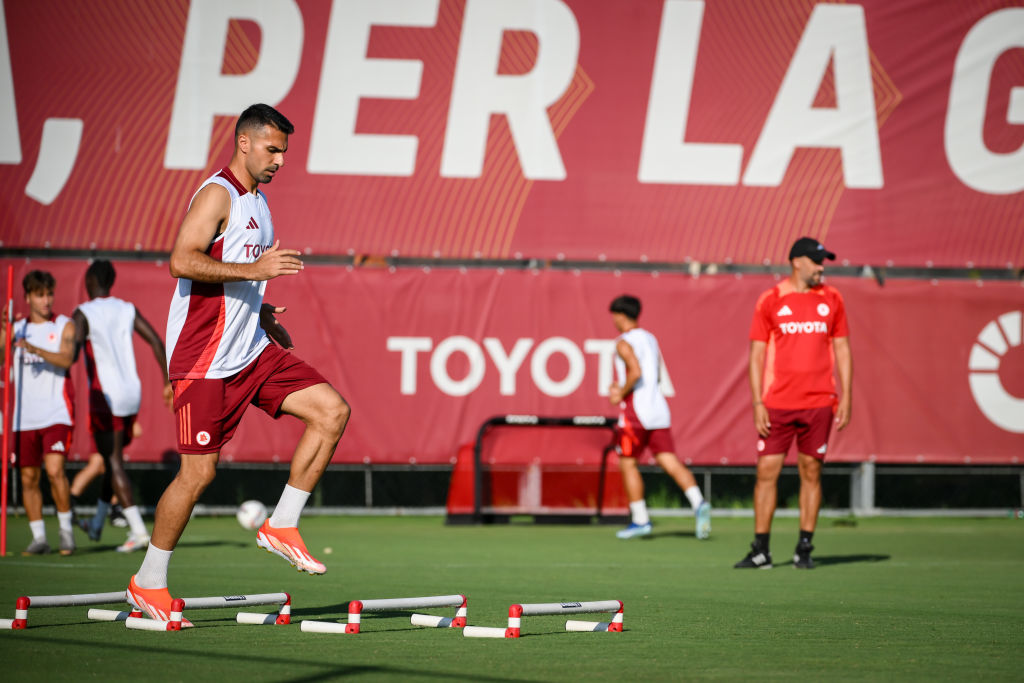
[(892, 599)]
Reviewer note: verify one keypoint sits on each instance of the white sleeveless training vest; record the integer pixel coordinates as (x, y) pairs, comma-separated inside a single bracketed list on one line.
[(110, 354), (43, 393), (213, 330), (648, 402)]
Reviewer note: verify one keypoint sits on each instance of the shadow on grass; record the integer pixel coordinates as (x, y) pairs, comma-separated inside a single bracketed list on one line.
[(323, 670), (848, 559)]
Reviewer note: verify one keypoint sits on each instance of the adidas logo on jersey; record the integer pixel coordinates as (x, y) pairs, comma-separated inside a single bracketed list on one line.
[(785, 310), (252, 225)]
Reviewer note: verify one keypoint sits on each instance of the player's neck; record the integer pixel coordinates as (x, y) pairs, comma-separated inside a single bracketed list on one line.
[(237, 168), (36, 318), (799, 286)]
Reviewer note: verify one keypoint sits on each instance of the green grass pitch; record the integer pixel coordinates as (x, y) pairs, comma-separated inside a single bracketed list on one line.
[(892, 599)]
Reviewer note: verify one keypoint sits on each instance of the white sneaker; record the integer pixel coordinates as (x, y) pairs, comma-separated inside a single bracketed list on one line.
[(134, 543), (703, 516), (634, 530)]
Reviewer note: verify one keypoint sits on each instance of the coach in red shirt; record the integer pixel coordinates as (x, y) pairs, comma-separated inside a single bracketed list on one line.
[(798, 338)]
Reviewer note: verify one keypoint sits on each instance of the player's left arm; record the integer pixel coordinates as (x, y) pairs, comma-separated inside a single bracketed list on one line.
[(64, 356), (618, 392), (844, 365), (146, 331), (272, 327)]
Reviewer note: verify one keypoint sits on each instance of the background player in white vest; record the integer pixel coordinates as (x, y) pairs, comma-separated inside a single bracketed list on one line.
[(645, 420), (104, 326), (221, 359), (42, 418)]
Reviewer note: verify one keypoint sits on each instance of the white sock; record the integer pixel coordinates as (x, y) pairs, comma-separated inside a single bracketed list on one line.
[(64, 520), (38, 528), (289, 508), (639, 511), (693, 494), (135, 522), (153, 572)]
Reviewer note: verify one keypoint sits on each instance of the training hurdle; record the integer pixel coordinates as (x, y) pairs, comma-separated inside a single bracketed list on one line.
[(518, 611), (357, 607), (20, 620), (179, 605)]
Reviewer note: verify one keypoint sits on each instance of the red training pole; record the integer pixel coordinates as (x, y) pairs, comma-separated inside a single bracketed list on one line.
[(8, 347)]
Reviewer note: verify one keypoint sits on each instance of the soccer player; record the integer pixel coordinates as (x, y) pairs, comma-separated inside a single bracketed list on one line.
[(645, 420), (798, 338), (103, 328), (44, 347), (221, 358)]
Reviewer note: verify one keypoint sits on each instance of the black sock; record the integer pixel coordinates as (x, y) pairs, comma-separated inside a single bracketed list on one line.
[(761, 541), (805, 537)]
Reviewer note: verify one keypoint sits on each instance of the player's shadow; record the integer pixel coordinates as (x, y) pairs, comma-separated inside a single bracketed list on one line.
[(213, 544), (847, 559), (668, 534)]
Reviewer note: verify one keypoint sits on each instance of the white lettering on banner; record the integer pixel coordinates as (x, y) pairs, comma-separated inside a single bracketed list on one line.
[(203, 92), (409, 347), (665, 156), (972, 161), (347, 75), (605, 351), (539, 367), (508, 364), (10, 139), (439, 366), (835, 34), (478, 90), (812, 327)]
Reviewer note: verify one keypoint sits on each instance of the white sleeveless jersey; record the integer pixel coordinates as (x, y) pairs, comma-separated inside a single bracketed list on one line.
[(647, 401), (43, 394), (213, 330), (110, 355)]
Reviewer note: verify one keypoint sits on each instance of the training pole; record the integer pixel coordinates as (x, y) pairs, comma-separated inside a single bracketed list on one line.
[(8, 347)]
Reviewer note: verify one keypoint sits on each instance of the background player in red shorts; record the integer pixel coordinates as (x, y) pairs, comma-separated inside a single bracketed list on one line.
[(44, 347), (221, 360), (798, 338), (645, 420), (104, 327)]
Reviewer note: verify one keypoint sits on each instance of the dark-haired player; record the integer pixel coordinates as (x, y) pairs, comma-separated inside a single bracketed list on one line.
[(221, 358), (645, 420), (43, 415), (798, 338), (104, 326)]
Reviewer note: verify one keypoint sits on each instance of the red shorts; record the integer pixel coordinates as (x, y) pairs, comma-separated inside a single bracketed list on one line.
[(30, 446), (810, 426), (633, 439), (208, 410)]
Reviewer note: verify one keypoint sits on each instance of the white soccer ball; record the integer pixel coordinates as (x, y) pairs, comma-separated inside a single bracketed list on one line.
[(251, 514)]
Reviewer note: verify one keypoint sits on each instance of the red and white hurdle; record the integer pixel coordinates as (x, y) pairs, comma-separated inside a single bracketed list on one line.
[(179, 605), (516, 613), (20, 620), (356, 608)]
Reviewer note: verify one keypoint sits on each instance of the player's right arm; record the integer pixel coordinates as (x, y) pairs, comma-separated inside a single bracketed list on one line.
[(206, 218), (758, 351), (617, 393)]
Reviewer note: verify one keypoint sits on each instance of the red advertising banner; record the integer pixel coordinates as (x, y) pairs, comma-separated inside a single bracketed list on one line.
[(658, 130), (424, 356)]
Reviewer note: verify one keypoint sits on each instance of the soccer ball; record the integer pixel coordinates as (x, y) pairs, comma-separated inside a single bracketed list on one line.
[(251, 514)]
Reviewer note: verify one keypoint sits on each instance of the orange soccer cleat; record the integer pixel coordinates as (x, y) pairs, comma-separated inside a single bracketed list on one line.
[(287, 543), (155, 602)]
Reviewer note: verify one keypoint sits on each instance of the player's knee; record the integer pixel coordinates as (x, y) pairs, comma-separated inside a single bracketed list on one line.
[(333, 416)]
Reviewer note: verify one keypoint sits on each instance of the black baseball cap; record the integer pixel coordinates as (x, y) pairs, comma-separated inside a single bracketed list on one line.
[(812, 249)]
